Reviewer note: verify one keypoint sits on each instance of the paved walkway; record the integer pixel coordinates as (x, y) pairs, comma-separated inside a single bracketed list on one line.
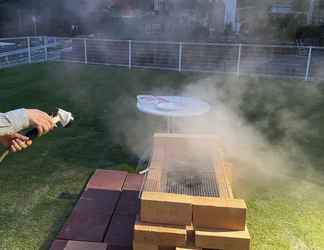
[(104, 216)]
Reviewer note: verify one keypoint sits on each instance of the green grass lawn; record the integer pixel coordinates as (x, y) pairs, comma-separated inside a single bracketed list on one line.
[(39, 186)]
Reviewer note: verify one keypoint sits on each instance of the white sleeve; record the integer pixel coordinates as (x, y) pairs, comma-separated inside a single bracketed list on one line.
[(13, 121)]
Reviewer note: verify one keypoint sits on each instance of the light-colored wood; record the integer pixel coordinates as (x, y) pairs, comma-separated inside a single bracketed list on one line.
[(140, 246), (166, 208), (187, 248), (228, 240), (223, 181), (211, 212), (229, 172), (144, 246), (160, 235)]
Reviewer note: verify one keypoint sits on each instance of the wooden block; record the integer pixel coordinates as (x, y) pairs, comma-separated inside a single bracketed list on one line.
[(77, 245), (219, 213), (166, 208), (160, 235), (228, 240), (153, 179), (121, 231), (91, 216), (223, 181), (107, 180), (229, 171), (187, 248), (145, 246), (140, 246), (133, 182), (129, 203)]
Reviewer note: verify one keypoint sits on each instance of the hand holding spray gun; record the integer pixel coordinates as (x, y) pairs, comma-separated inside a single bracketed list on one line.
[(42, 123)]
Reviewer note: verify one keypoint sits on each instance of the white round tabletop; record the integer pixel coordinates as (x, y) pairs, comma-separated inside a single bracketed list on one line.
[(172, 106)]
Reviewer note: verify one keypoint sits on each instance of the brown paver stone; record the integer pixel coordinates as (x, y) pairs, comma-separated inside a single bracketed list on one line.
[(91, 216), (107, 179), (121, 231), (133, 182), (129, 203), (78, 245)]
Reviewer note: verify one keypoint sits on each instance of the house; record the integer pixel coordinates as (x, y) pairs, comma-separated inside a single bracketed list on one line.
[(281, 9), (167, 15)]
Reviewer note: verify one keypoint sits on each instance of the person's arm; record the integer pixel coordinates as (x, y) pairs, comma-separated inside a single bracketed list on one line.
[(17, 120), (13, 121)]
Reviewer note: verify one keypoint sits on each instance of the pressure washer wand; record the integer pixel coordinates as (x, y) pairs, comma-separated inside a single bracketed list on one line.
[(62, 117)]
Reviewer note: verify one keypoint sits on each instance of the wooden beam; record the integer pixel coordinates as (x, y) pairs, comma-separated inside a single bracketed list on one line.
[(229, 240), (144, 246), (166, 208), (140, 246), (160, 235), (223, 181), (229, 172), (187, 248), (211, 212)]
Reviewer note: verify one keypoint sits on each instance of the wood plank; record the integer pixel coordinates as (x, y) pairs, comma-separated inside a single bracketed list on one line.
[(77, 245), (145, 246), (229, 240), (229, 172), (160, 235), (140, 246), (107, 180), (166, 208), (133, 182), (223, 181), (211, 212), (129, 203), (121, 231), (188, 248), (91, 216)]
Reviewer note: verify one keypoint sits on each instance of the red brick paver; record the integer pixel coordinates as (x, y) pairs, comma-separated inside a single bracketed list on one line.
[(77, 245), (120, 232), (107, 179), (133, 182), (119, 248), (129, 203), (91, 216), (105, 212)]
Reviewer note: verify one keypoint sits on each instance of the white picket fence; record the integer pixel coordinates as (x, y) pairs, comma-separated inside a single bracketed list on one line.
[(240, 59)]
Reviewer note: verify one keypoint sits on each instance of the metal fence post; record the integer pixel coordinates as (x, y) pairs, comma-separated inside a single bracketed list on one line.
[(29, 50), (85, 51), (239, 59), (45, 48), (309, 60), (129, 54), (180, 57)]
